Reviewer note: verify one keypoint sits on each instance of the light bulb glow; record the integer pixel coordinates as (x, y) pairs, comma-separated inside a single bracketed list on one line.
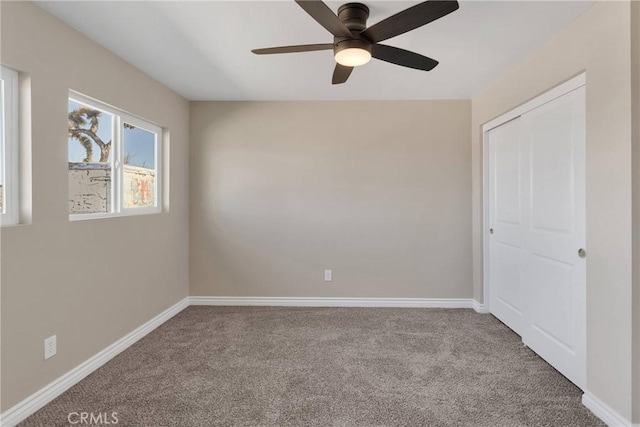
[(353, 57)]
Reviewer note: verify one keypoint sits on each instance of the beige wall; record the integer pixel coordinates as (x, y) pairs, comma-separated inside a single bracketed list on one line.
[(635, 85), (379, 192), (598, 42), (77, 279)]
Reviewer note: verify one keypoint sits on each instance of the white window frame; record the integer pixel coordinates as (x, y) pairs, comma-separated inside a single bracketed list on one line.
[(117, 164), (10, 182)]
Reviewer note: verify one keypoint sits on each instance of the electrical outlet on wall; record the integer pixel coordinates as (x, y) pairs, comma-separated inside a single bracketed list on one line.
[(328, 275), (50, 347)]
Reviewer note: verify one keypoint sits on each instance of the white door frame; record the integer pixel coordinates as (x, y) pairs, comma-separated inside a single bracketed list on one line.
[(558, 91)]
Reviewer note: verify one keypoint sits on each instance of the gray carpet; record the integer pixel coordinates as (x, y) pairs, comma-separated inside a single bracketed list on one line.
[(261, 366)]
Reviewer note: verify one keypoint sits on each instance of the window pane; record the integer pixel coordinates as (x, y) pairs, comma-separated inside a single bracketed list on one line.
[(139, 171), (90, 159)]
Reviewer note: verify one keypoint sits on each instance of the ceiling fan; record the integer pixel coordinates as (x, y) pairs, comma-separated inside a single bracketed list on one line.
[(354, 44)]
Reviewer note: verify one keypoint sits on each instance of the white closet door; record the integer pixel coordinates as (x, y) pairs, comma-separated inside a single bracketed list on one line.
[(537, 271), (506, 249), (555, 272)]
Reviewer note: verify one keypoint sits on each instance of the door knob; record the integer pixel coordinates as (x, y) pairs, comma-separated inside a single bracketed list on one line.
[(491, 231), (582, 253)]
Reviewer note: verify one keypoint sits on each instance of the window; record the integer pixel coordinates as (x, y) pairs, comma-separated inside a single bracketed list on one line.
[(8, 146), (114, 161)]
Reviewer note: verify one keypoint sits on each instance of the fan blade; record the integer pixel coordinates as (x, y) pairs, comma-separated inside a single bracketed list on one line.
[(293, 49), (409, 19), (325, 17), (402, 57), (341, 74)]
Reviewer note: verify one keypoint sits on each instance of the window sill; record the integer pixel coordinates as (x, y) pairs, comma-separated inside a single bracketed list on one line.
[(138, 212)]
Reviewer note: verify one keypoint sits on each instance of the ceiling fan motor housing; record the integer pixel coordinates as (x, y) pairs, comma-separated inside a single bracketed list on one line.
[(354, 17)]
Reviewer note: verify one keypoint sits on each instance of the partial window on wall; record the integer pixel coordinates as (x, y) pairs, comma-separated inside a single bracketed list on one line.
[(9, 146), (114, 161)]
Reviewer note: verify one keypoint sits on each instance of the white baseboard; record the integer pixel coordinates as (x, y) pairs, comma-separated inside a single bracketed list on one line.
[(37, 400), (334, 302), (479, 307), (603, 411)]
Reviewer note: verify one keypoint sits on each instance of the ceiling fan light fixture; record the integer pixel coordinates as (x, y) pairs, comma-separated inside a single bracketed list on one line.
[(352, 52), (353, 57)]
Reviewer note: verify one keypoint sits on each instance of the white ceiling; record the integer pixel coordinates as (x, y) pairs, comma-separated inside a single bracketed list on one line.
[(202, 49)]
